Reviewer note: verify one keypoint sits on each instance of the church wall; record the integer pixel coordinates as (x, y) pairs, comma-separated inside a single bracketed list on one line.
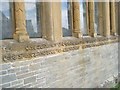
[(85, 68)]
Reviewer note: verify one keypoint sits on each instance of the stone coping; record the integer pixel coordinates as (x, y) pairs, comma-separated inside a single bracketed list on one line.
[(15, 51)]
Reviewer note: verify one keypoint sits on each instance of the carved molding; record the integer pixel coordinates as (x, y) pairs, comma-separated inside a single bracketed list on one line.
[(20, 51)]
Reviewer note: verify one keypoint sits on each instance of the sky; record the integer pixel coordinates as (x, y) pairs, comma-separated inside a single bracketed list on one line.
[(30, 8), (4, 7), (64, 15)]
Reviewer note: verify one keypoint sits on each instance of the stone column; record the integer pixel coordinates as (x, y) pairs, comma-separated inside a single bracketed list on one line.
[(20, 22), (51, 21), (42, 18), (87, 15), (118, 18), (100, 17), (12, 10), (91, 31), (116, 15), (113, 21), (76, 20), (106, 18)]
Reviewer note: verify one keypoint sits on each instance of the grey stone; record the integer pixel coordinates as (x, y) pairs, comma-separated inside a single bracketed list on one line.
[(30, 79), (40, 85), (21, 63), (3, 72), (6, 85), (8, 78), (8, 89), (34, 67), (24, 68), (17, 86), (39, 60), (25, 75), (20, 89), (27, 86), (16, 82), (22, 72), (13, 70), (5, 66), (81, 68)]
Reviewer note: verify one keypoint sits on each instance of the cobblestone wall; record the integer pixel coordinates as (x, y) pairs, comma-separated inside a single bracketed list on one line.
[(91, 67)]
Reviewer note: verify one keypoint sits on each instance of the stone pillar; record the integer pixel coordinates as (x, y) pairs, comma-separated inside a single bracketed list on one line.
[(116, 15), (87, 15), (76, 20), (51, 21), (38, 17), (113, 21), (106, 18), (20, 22), (91, 31), (42, 18), (119, 18), (100, 17), (12, 10)]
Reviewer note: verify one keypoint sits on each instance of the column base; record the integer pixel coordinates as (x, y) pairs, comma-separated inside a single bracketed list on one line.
[(95, 35), (106, 34), (114, 33), (21, 37), (77, 35), (92, 34)]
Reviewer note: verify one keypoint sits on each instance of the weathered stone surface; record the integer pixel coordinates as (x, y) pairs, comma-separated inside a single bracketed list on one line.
[(39, 49), (17, 86), (8, 78), (21, 63), (13, 70), (55, 28), (3, 72), (20, 29), (35, 66), (90, 67), (27, 86), (17, 82), (106, 18), (113, 18), (21, 72), (24, 68), (92, 19), (25, 75), (76, 20), (5, 66), (30, 79), (6, 85)]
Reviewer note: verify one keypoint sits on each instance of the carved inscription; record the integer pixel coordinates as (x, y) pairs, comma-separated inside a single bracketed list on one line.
[(12, 57), (37, 47), (70, 48), (37, 50)]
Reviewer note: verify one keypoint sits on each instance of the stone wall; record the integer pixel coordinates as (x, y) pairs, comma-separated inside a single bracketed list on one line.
[(90, 67)]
